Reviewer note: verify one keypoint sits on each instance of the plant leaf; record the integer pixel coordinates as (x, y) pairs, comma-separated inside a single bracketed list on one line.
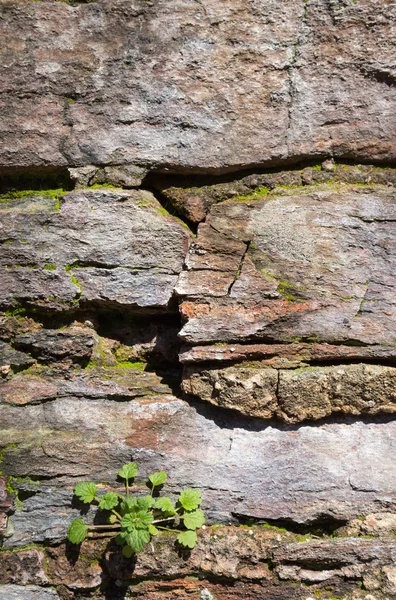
[(108, 501), (187, 539), (112, 519), (127, 551), (166, 506), (145, 502), (128, 471), (194, 520), (190, 499), (86, 491), (137, 539), (77, 531), (158, 478), (138, 520), (152, 530), (128, 505)]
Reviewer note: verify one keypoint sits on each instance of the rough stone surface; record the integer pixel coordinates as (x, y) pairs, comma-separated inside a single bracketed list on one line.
[(296, 394), (89, 246), (25, 567), (181, 85), (269, 127), (193, 199), (318, 266), (27, 592), (336, 472)]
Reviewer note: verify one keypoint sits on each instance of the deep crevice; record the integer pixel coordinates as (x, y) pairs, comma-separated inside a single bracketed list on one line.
[(34, 178)]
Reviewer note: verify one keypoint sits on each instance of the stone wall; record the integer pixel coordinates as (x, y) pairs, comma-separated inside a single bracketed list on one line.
[(197, 272)]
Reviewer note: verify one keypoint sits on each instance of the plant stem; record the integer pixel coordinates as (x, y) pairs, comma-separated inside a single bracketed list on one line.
[(163, 520), (169, 529), (116, 514), (109, 526)]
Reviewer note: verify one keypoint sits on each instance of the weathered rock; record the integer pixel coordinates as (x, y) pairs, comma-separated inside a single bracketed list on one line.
[(54, 345), (14, 359), (127, 176), (295, 394), (119, 383), (27, 592), (25, 567), (285, 355), (193, 200), (333, 472), (6, 504), (74, 567), (174, 85), (318, 267), (90, 246), (184, 589), (374, 525)]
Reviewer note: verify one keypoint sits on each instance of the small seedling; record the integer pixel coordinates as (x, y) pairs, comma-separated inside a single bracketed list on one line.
[(138, 518)]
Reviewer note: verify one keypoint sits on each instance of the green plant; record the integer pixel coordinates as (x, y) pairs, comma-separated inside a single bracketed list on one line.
[(138, 518)]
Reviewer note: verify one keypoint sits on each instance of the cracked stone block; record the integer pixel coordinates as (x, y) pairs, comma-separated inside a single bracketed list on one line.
[(295, 395), (318, 266), (89, 246)]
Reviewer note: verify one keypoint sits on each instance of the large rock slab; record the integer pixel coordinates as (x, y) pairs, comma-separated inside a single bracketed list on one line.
[(310, 264), (183, 86), (246, 469), (99, 246)]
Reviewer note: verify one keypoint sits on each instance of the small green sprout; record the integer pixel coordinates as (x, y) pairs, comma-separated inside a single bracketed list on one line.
[(135, 519)]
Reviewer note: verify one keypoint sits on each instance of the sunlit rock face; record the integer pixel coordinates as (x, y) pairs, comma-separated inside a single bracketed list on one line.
[(197, 273), (198, 86)]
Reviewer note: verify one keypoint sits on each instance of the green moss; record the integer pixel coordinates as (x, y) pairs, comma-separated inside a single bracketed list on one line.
[(268, 526), (257, 194), (32, 193), (285, 288), (131, 365), (98, 186), (50, 267), (76, 282)]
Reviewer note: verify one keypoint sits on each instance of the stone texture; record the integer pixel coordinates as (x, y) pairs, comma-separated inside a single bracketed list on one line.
[(333, 473), (25, 567), (297, 394), (13, 359), (90, 246), (193, 198), (318, 266), (176, 85), (48, 345), (27, 592)]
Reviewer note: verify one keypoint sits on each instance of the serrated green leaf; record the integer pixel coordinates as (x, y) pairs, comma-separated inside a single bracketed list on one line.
[(165, 505), (112, 519), (194, 520), (145, 502), (190, 499), (152, 530), (108, 501), (158, 478), (86, 491), (187, 539), (77, 531), (128, 471), (138, 520), (127, 551), (137, 539), (128, 505)]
